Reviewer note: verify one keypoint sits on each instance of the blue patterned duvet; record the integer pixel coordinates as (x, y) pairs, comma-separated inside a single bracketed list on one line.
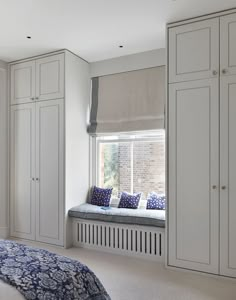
[(39, 274)]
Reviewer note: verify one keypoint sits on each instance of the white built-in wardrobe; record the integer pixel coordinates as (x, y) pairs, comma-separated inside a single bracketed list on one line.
[(49, 145), (202, 144)]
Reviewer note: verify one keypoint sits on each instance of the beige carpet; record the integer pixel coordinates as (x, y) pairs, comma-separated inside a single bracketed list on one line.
[(127, 278)]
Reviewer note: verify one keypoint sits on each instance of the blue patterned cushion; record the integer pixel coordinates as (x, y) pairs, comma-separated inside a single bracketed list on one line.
[(129, 201), (156, 201), (101, 197)]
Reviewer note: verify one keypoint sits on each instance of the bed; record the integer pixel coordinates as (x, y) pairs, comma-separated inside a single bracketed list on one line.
[(31, 273)]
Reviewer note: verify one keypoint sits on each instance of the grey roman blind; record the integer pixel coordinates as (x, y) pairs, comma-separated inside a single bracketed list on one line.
[(130, 101)]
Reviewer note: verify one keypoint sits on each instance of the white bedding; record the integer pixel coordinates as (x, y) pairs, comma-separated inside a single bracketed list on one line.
[(8, 292)]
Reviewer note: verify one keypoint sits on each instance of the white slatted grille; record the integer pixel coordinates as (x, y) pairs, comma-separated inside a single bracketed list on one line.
[(140, 240)]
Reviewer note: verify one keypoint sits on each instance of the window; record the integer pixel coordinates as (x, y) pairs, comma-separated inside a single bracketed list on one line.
[(133, 163)]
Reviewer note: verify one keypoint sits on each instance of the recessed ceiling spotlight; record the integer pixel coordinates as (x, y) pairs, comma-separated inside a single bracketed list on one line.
[(28, 37), (121, 46)]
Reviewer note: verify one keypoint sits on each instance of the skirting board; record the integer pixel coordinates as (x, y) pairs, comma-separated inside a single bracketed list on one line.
[(217, 276), (4, 232)]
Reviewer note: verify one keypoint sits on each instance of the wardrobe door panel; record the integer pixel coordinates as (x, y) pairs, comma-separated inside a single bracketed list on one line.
[(22, 191), (49, 171), (194, 51), (228, 177), (23, 82), (50, 77), (228, 44), (194, 175)]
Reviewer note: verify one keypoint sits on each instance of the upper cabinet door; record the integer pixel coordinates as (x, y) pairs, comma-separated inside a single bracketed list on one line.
[(23, 82), (194, 51), (228, 44), (228, 176), (50, 77), (193, 199)]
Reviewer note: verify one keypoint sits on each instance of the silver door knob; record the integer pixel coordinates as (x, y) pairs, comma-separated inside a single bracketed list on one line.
[(224, 71), (214, 72), (223, 187), (214, 187)]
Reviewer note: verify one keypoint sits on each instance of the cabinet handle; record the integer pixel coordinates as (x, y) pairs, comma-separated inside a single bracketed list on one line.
[(37, 98), (214, 187), (223, 187), (224, 71), (37, 179), (214, 72), (32, 179), (32, 98)]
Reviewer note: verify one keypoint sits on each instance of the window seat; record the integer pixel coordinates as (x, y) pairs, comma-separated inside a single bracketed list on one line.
[(139, 216)]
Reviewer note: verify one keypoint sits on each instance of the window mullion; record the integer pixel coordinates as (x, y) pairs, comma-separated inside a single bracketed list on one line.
[(97, 170), (132, 166)]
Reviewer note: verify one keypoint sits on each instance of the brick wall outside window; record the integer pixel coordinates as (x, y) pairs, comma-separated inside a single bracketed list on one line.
[(137, 166)]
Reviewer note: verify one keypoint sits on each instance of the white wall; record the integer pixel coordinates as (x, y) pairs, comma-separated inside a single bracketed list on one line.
[(77, 98), (126, 63), (4, 212)]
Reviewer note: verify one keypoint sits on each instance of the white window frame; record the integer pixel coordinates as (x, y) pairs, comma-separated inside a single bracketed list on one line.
[(96, 141)]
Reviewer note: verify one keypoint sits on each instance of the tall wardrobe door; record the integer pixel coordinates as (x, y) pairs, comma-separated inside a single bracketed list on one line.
[(193, 200), (194, 51), (228, 176), (23, 82), (50, 77), (49, 171), (23, 171), (228, 44)]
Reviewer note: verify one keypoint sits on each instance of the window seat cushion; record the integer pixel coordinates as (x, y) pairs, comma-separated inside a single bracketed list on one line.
[(119, 215)]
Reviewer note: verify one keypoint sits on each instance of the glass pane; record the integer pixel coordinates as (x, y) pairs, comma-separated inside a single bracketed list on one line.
[(149, 166), (125, 167), (115, 167)]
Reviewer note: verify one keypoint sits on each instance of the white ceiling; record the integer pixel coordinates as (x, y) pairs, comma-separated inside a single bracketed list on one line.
[(93, 29)]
